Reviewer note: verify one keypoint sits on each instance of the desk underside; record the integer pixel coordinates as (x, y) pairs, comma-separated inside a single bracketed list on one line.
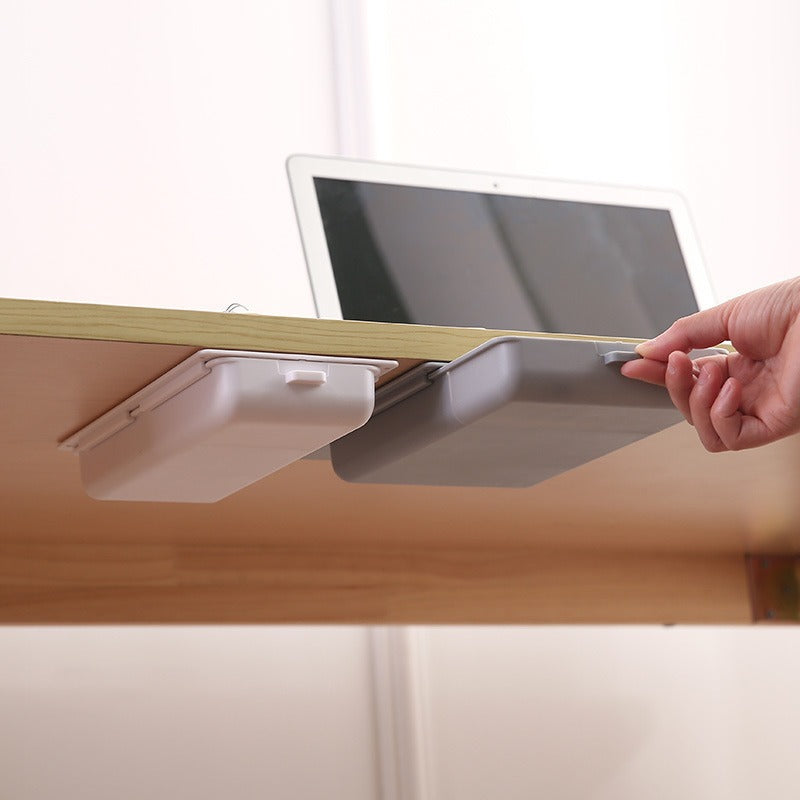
[(656, 532)]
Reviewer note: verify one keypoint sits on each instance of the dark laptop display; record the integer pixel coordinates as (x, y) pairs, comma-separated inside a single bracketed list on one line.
[(448, 257)]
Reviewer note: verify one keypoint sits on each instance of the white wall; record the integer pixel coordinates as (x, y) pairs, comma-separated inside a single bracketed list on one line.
[(185, 712), (697, 97), (611, 713), (511, 712), (142, 149), (141, 159)]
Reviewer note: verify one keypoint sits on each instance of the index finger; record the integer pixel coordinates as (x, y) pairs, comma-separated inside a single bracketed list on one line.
[(703, 329)]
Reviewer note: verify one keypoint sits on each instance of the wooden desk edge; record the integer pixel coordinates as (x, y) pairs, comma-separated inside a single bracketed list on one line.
[(247, 331), (50, 583)]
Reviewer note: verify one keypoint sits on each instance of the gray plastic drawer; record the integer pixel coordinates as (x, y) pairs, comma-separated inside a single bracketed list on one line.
[(512, 412)]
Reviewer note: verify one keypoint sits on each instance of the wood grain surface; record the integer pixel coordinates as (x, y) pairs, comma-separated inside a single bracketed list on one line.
[(330, 583), (244, 331)]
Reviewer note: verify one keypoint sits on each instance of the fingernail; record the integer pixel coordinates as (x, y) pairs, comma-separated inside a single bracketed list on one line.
[(643, 347), (725, 392), (672, 366)]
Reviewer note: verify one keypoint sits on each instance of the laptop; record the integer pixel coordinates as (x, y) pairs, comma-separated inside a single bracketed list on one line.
[(394, 243)]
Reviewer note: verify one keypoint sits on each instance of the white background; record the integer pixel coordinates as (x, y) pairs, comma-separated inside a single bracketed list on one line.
[(141, 162), (700, 97), (143, 144)]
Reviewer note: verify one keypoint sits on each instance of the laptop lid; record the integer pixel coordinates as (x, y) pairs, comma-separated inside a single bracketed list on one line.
[(394, 243)]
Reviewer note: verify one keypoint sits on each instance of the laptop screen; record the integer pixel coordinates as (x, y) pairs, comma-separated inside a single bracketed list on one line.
[(461, 258)]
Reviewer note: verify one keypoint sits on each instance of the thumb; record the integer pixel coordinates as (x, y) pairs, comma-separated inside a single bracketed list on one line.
[(703, 329)]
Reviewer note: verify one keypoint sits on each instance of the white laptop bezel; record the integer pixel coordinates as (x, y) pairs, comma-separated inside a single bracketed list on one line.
[(302, 170)]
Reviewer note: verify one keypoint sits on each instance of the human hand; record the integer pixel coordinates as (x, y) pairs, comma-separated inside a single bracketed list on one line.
[(737, 401)]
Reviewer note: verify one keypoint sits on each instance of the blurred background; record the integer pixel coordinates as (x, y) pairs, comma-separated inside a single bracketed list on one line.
[(142, 151)]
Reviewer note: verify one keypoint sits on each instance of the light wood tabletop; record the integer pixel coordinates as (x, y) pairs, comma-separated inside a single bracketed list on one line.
[(657, 532)]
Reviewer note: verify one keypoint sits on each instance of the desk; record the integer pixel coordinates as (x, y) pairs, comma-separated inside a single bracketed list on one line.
[(655, 532)]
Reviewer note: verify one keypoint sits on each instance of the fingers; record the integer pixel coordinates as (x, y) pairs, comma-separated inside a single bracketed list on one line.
[(678, 375), (696, 389), (650, 371), (707, 398), (644, 369), (737, 431), (702, 399), (680, 382), (709, 402), (704, 329), (725, 415), (712, 404)]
